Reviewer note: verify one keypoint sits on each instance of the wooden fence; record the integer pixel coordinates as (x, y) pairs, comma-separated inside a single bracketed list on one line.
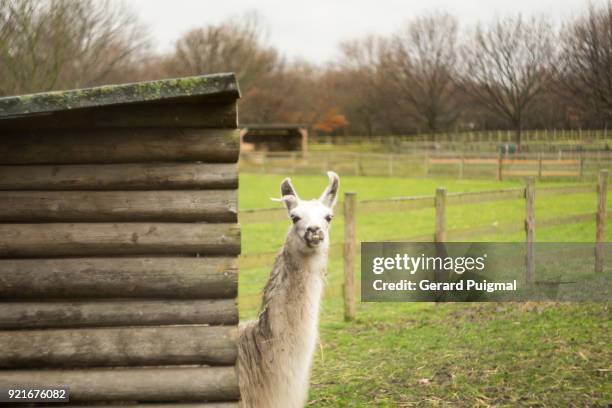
[(538, 165), (476, 140), (350, 210), (560, 165)]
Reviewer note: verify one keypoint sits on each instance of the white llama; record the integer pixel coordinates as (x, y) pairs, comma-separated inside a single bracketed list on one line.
[(275, 350)]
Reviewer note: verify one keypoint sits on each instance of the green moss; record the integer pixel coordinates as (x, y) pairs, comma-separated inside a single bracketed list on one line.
[(118, 94), (105, 90), (25, 98)]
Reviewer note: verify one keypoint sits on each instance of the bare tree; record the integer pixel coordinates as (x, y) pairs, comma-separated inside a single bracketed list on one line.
[(294, 94), (585, 66), (421, 63), (53, 44), (507, 65), (360, 85), (237, 45)]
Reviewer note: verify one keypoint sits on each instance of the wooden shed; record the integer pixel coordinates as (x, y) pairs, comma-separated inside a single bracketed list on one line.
[(119, 242), (274, 137)]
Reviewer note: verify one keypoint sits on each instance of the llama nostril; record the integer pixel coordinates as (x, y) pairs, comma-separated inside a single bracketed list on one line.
[(314, 235)]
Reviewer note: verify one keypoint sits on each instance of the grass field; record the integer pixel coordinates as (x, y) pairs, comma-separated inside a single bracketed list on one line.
[(421, 354)]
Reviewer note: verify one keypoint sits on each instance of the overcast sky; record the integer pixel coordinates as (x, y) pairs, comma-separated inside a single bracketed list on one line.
[(312, 29)]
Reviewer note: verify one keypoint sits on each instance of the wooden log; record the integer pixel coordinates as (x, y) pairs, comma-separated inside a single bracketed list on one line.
[(118, 206), (86, 278), (135, 384), (43, 315), (123, 346), (119, 146), (196, 89), (210, 115), (101, 239), (350, 249), (530, 230), (440, 234), (600, 235), (139, 176)]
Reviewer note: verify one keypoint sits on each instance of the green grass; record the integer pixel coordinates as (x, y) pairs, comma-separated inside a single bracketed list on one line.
[(420, 354), (257, 189), (464, 355)]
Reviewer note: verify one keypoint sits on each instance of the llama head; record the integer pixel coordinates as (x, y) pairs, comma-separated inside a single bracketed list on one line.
[(311, 218)]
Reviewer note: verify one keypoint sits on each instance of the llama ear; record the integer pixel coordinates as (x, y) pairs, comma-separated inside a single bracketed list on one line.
[(289, 201), (330, 194), (287, 188)]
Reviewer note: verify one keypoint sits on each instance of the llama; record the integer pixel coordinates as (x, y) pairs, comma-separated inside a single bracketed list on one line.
[(275, 350)]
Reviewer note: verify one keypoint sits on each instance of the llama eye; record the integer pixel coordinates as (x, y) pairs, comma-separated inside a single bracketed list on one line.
[(328, 218), (295, 218)]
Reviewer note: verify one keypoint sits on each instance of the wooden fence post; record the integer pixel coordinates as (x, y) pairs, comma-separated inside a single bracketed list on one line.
[(602, 192), (461, 164), (426, 163), (350, 248), (581, 170), (440, 234), (539, 166), (530, 229), (500, 166)]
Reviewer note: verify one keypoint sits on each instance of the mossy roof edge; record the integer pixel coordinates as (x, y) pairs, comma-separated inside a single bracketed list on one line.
[(139, 92)]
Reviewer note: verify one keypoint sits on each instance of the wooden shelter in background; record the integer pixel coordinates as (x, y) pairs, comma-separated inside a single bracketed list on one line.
[(274, 137), (119, 241)]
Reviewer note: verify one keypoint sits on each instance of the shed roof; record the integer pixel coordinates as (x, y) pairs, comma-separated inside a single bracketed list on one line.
[(273, 126), (196, 88)]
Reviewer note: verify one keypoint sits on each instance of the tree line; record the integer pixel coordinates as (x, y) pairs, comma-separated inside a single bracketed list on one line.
[(431, 75)]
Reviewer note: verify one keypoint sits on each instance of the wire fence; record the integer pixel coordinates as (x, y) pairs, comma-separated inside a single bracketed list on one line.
[(253, 260), (538, 140), (484, 165)]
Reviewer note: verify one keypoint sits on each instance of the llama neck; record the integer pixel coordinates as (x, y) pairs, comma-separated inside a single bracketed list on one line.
[(293, 293)]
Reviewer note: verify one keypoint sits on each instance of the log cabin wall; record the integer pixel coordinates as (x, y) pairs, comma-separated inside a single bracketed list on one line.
[(119, 242)]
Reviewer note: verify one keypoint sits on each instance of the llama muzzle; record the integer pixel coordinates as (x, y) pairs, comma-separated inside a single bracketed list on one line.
[(314, 236)]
